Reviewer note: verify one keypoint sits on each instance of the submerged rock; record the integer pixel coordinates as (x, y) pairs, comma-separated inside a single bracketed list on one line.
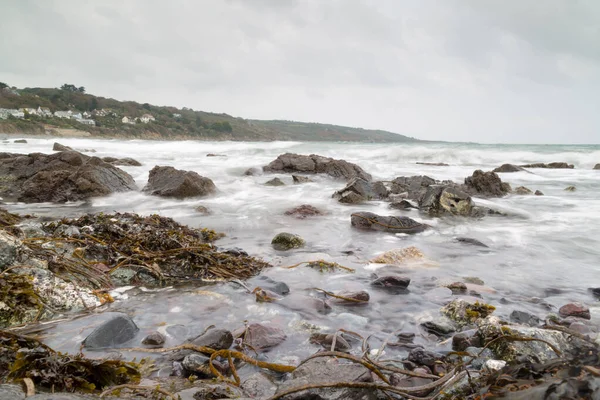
[(263, 337), (59, 177), (298, 179), (154, 339), (326, 340), (597, 167), (216, 339), (464, 313), (433, 164), (539, 193), (118, 330), (508, 168), (315, 164), (304, 211), (563, 165), (171, 182), (275, 182), (22, 141), (287, 241), (472, 241), (486, 184), (391, 282), (391, 224), (525, 318), (278, 287), (570, 189), (523, 191), (127, 161), (399, 256), (61, 147), (359, 190)]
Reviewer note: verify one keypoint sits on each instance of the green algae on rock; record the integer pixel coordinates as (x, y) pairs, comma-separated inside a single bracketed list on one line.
[(465, 313), (287, 241)]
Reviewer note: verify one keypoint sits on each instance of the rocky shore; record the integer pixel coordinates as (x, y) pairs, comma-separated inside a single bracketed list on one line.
[(52, 272)]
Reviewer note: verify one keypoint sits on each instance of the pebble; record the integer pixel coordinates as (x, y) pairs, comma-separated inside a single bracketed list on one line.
[(154, 339), (523, 317), (421, 356), (494, 365), (217, 339)]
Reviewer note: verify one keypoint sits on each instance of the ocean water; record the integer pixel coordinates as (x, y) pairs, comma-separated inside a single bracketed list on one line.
[(544, 254)]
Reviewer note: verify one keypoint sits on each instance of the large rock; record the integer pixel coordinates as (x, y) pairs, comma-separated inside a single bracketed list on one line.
[(127, 161), (556, 165), (263, 337), (59, 177), (171, 182), (597, 166), (392, 224), (327, 370), (485, 184), (523, 191), (315, 164), (413, 186), (216, 339), (508, 168), (359, 190), (61, 147), (113, 333), (440, 200)]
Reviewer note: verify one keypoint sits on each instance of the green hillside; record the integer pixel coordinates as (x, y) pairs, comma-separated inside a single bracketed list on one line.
[(169, 123)]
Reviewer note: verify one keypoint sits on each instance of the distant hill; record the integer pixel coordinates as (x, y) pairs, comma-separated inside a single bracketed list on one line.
[(168, 123)]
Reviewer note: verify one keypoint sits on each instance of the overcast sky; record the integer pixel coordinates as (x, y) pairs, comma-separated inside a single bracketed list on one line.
[(519, 71)]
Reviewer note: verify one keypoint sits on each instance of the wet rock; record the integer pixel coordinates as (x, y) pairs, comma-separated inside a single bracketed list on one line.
[(171, 182), (116, 331), (485, 184), (278, 287), (12, 392), (439, 200), (464, 313), (439, 327), (494, 365), (474, 280), (391, 224), (508, 168), (275, 182), (413, 186), (326, 340), (563, 165), (391, 282), (525, 318), (287, 241), (215, 155), (195, 362), (575, 310), (216, 339), (522, 191), (433, 164), (457, 287), (299, 179), (67, 230), (203, 210), (399, 256), (9, 248), (154, 339), (20, 141), (595, 292), (359, 190), (259, 386), (403, 205), (570, 189), (263, 337), (361, 297), (421, 356), (324, 370), (60, 177), (61, 147), (401, 380), (538, 193), (472, 241), (597, 166), (253, 171), (304, 211), (316, 164), (218, 391), (127, 161), (463, 340)]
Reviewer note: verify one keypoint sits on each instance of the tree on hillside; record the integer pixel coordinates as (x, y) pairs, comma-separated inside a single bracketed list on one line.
[(223, 126), (146, 106), (81, 89), (93, 104), (72, 88), (3, 85)]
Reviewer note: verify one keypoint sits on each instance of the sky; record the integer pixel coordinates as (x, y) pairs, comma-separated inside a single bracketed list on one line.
[(511, 71)]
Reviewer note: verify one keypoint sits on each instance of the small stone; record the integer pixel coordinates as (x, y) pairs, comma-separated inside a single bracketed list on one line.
[(472, 241), (60, 147), (113, 333), (392, 282), (259, 386), (262, 337), (539, 193), (203, 210), (304, 211), (597, 166), (361, 297), (195, 362), (298, 179), (421, 356), (177, 369), (494, 365), (522, 190), (287, 241), (253, 171), (438, 327), (463, 340), (326, 340), (457, 287), (575, 310), (154, 339), (570, 188), (275, 182), (278, 287), (595, 292), (474, 280), (402, 205), (217, 339), (522, 317), (399, 256), (20, 141)]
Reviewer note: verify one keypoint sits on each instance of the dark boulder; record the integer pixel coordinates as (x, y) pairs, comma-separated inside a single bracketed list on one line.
[(508, 168), (127, 161), (413, 186), (433, 164), (61, 147), (298, 179), (216, 339), (304, 211), (315, 164), (597, 166), (171, 182), (20, 141), (421, 356), (359, 190), (391, 224), (485, 184), (555, 165), (575, 310), (154, 339), (327, 370), (59, 177), (116, 331), (391, 282), (275, 182), (440, 200)]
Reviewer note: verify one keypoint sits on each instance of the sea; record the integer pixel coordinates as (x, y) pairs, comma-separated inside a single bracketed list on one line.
[(543, 251)]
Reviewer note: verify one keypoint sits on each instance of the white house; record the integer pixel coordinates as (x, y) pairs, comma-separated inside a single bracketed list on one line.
[(16, 113), (76, 115), (127, 120), (87, 114), (3, 113), (147, 118), (100, 113), (176, 115), (62, 114), (30, 111), (87, 122), (44, 112)]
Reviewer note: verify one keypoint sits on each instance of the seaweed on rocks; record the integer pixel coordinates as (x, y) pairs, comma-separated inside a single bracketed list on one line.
[(156, 249), (24, 357)]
